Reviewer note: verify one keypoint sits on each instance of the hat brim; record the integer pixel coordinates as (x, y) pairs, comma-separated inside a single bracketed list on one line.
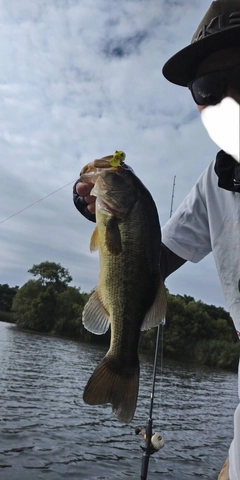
[(181, 68)]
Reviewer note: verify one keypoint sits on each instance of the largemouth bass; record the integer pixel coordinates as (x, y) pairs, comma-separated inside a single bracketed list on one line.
[(131, 295)]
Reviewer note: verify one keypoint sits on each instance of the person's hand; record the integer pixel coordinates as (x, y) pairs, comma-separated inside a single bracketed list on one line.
[(84, 189), (83, 201)]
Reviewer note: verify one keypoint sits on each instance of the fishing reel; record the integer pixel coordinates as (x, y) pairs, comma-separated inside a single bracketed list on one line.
[(157, 440)]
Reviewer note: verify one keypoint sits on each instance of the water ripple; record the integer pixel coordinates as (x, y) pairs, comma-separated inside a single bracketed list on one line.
[(47, 432)]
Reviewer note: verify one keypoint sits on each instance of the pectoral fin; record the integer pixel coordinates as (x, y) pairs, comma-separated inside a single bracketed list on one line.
[(113, 236), (95, 317), (157, 312)]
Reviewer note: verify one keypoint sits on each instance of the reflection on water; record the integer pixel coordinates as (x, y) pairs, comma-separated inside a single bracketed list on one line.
[(47, 432)]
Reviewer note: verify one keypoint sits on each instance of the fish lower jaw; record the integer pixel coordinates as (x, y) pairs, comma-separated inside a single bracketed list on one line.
[(103, 206)]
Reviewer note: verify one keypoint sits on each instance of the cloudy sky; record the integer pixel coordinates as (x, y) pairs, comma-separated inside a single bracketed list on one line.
[(78, 80)]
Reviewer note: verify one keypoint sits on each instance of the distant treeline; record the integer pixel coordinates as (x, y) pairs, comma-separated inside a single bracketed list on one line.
[(194, 331), (7, 295)]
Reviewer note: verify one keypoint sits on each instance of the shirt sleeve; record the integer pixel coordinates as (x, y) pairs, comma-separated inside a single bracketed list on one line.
[(187, 231)]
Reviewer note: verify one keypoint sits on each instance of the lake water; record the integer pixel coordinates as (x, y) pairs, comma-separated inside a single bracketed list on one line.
[(47, 432)]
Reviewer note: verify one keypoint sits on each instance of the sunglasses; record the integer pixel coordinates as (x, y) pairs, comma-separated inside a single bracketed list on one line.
[(211, 88)]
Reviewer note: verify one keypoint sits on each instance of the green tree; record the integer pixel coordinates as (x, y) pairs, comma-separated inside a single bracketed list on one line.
[(51, 273), (68, 313), (24, 304), (6, 297), (197, 332), (194, 331), (44, 309), (48, 304)]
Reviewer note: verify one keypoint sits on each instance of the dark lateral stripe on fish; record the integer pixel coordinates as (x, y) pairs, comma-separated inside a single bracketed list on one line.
[(108, 386)]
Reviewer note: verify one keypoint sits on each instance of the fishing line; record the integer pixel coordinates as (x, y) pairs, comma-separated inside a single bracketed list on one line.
[(149, 448), (34, 203)]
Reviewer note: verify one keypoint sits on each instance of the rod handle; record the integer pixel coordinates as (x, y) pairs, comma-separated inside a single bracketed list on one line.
[(145, 461)]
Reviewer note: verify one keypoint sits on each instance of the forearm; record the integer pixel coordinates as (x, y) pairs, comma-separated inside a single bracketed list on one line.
[(169, 261)]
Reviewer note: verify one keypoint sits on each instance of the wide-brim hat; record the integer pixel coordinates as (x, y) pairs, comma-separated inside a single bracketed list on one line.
[(219, 29)]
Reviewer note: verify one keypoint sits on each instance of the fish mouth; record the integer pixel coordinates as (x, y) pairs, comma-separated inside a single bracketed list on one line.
[(91, 174), (97, 166)]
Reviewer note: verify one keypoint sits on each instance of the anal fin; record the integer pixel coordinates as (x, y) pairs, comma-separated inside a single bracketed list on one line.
[(157, 311)]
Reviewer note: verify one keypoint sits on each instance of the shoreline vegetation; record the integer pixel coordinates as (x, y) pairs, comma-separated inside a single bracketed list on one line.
[(194, 332)]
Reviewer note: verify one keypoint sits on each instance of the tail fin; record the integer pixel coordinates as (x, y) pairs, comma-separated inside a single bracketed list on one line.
[(106, 385)]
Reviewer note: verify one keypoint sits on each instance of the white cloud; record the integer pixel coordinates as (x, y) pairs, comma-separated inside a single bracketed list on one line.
[(79, 80)]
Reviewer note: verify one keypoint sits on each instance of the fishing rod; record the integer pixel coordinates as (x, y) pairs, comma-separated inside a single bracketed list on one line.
[(150, 446)]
